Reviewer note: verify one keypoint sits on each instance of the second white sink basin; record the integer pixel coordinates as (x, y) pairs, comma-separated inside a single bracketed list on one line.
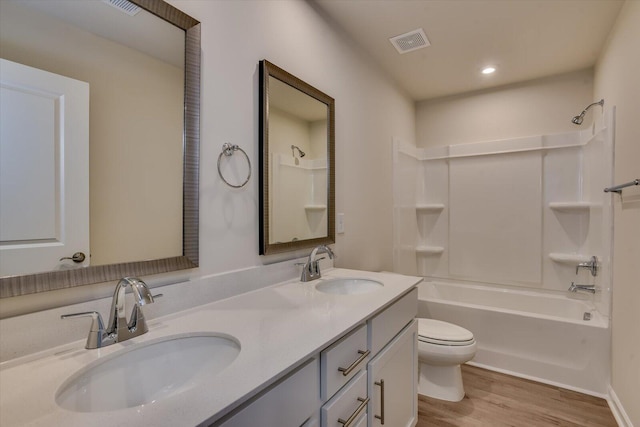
[(348, 286), (147, 372)]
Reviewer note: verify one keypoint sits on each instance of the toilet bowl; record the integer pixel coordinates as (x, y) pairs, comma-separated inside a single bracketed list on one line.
[(442, 348)]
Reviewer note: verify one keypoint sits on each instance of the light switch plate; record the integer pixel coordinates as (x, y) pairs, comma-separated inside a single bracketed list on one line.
[(340, 223)]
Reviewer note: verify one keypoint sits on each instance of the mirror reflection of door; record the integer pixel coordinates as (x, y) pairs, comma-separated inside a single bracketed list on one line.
[(135, 68), (298, 164), (44, 163)]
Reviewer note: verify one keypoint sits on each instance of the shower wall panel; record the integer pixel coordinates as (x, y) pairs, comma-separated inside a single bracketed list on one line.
[(495, 219), (406, 175)]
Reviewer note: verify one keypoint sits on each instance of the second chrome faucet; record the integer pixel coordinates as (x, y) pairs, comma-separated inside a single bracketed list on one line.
[(118, 329), (311, 269)]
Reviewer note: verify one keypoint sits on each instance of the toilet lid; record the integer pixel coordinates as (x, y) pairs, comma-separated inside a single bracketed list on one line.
[(438, 332)]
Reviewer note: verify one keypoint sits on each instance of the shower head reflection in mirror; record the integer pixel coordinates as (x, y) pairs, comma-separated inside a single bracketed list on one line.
[(300, 153)]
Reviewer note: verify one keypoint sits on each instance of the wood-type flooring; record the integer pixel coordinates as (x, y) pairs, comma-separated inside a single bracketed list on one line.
[(498, 400)]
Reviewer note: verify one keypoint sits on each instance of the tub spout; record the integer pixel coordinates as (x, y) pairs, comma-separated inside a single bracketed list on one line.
[(575, 287)]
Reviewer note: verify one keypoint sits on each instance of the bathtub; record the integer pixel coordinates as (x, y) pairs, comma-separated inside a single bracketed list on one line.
[(529, 334)]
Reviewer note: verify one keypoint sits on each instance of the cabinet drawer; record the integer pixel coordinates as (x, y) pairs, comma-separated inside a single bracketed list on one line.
[(362, 422), (386, 325), (342, 361), (298, 393), (350, 402)]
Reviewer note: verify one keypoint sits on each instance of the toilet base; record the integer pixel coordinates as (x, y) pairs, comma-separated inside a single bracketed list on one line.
[(441, 382)]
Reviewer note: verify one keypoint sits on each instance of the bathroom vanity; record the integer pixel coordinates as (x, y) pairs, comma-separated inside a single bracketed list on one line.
[(333, 351)]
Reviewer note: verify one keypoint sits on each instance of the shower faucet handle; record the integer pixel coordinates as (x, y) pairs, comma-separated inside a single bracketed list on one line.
[(591, 265)]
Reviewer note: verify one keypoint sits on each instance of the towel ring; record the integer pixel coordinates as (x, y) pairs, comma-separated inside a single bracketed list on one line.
[(227, 150)]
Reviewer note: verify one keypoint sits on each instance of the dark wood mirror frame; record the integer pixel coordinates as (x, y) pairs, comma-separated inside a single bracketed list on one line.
[(48, 281), (268, 69)]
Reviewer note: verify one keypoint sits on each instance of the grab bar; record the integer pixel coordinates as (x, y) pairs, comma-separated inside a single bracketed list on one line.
[(618, 188)]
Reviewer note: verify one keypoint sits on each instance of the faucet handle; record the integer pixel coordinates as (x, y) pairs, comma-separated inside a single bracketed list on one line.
[(97, 337), (591, 265), (97, 325)]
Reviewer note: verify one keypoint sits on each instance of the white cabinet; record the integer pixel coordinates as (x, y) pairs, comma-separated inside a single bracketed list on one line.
[(392, 384), (393, 369), (338, 388), (290, 402)]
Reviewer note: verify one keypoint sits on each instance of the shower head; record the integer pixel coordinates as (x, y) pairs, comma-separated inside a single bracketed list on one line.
[(300, 152), (577, 120)]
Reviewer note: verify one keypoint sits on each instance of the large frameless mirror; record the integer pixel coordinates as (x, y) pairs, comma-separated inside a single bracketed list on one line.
[(297, 153), (131, 77)]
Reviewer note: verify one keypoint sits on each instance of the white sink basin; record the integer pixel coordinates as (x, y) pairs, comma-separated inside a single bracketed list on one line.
[(147, 373), (348, 286)]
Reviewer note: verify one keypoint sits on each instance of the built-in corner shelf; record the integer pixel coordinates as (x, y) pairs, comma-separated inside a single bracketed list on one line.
[(429, 207), (568, 258), (576, 207), (429, 250), (315, 207)]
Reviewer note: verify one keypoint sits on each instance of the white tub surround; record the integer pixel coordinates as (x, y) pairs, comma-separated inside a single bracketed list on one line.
[(521, 212), (518, 213), (278, 328), (529, 334)]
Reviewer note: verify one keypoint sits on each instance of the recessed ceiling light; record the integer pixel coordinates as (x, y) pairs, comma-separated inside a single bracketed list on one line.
[(488, 70)]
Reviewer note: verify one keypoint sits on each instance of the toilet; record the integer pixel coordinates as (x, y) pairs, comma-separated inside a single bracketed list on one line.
[(442, 348)]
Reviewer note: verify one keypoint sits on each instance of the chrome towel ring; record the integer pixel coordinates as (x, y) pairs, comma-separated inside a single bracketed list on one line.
[(228, 150)]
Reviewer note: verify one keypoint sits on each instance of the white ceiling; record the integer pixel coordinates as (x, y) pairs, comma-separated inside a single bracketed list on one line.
[(523, 39)]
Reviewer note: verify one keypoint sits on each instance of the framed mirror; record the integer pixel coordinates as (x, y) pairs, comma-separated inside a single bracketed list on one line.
[(297, 163), (127, 154)]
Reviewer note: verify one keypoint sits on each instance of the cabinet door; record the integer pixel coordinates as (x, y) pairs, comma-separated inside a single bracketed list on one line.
[(289, 403), (393, 380)]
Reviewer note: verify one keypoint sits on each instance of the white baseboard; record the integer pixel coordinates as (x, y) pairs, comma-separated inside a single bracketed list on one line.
[(619, 413)]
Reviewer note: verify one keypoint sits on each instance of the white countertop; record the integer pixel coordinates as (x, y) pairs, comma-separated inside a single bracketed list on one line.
[(278, 328)]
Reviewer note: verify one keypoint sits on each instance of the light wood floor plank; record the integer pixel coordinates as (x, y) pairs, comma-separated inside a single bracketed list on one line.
[(498, 400)]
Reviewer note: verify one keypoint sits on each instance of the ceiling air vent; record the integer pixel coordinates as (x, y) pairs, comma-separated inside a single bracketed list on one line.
[(410, 41), (124, 6)]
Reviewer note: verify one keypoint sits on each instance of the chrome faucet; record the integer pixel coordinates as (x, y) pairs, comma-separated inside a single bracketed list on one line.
[(311, 269), (584, 288), (591, 265), (119, 329)]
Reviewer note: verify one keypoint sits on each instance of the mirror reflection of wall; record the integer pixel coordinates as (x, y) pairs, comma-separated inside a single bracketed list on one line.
[(136, 147), (298, 147)]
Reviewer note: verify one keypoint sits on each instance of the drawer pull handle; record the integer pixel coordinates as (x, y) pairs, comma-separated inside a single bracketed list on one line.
[(381, 416), (350, 368), (358, 411)]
